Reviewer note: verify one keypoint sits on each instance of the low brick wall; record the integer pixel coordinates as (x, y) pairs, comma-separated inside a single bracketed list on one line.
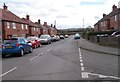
[(110, 41)]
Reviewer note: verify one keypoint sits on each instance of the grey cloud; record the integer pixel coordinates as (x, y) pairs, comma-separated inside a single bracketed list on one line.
[(62, 16)]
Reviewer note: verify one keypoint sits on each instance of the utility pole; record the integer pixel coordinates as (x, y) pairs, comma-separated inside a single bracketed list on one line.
[(83, 22)]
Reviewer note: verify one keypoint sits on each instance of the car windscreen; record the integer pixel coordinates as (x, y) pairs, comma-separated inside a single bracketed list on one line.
[(30, 38), (43, 37), (9, 41)]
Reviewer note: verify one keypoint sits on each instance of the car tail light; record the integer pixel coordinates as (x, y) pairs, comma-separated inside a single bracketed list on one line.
[(17, 45)]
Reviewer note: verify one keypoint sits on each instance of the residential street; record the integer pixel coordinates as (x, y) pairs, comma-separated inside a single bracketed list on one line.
[(62, 60)]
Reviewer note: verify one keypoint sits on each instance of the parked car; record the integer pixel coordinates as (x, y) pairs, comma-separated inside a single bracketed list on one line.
[(77, 36), (116, 34), (53, 38), (35, 41), (62, 37), (45, 39), (57, 38), (66, 36), (17, 46)]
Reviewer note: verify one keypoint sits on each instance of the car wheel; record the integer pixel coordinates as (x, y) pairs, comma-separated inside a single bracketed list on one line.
[(21, 53), (31, 50), (35, 46)]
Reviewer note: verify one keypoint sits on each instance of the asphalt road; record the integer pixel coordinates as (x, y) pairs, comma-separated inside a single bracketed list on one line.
[(62, 60)]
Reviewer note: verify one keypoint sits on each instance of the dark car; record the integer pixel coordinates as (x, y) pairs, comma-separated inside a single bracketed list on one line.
[(17, 46)]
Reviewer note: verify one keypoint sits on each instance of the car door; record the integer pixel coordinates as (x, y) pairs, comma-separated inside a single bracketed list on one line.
[(23, 44)]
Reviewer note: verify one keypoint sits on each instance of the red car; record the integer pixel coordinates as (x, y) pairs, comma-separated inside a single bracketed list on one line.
[(35, 41)]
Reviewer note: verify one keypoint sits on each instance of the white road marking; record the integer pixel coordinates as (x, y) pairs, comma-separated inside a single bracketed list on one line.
[(81, 61), (8, 71), (100, 75), (81, 64), (82, 69), (48, 50), (80, 58), (85, 75), (36, 56)]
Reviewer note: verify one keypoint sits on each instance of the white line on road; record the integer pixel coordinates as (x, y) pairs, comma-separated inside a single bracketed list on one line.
[(36, 56), (85, 75), (81, 64), (81, 61), (48, 50), (82, 69), (8, 71)]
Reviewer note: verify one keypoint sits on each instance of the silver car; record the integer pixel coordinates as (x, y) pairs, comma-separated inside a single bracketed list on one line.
[(45, 39)]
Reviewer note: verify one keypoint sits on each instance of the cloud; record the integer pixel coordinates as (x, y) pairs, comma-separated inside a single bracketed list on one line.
[(62, 16), (91, 3), (67, 13)]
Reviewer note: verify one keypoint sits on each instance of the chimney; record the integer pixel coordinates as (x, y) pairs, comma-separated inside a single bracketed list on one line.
[(5, 7), (54, 26), (114, 7), (51, 25), (27, 17), (39, 21), (104, 15), (45, 23)]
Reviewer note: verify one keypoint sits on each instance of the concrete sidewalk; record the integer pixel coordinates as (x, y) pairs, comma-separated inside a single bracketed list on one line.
[(84, 44)]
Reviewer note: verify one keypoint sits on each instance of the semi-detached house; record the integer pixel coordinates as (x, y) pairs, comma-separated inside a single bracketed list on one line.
[(12, 25), (110, 21), (34, 29)]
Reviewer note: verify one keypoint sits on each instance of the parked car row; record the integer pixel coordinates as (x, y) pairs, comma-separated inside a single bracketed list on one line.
[(18, 46)]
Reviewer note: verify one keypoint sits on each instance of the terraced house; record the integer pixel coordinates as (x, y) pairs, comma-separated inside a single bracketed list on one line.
[(110, 21), (12, 25)]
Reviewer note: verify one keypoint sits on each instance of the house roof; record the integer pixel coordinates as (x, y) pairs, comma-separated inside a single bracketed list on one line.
[(7, 15), (117, 11), (30, 22), (107, 17)]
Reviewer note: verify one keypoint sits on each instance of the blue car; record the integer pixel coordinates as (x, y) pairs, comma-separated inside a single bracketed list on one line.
[(18, 46), (77, 36)]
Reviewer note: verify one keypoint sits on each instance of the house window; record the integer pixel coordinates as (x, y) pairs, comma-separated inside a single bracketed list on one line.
[(34, 28), (115, 17), (22, 26), (37, 29), (26, 27), (8, 25), (14, 25)]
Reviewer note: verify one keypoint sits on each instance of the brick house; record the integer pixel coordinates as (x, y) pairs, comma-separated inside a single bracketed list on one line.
[(115, 18), (34, 29), (45, 28), (110, 21), (52, 30), (12, 25)]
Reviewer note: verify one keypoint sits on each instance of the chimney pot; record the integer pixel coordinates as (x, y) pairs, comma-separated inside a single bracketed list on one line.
[(114, 7), (28, 17), (39, 21), (104, 15), (51, 25), (5, 7), (45, 23)]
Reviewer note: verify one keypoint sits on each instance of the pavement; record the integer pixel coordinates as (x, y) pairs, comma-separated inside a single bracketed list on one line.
[(87, 45)]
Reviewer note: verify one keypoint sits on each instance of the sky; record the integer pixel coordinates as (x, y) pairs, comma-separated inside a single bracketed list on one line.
[(66, 13)]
